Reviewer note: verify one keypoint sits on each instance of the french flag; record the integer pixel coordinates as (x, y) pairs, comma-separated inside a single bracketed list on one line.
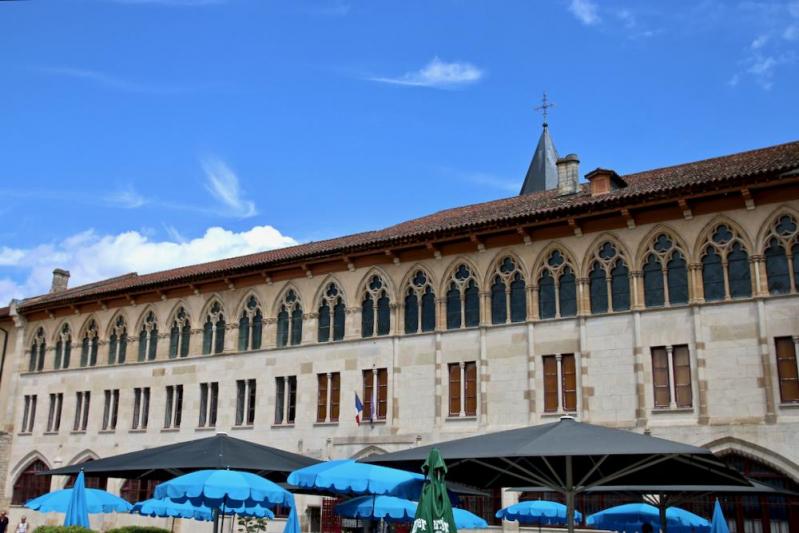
[(358, 409)]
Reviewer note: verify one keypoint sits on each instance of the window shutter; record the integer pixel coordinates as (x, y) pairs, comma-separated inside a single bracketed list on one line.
[(454, 389), (682, 376), (660, 377), (569, 377), (321, 399), (550, 383), (471, 388), (786, 369)]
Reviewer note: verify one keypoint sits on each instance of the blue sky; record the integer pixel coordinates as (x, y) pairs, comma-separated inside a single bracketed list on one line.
[(137, 135)]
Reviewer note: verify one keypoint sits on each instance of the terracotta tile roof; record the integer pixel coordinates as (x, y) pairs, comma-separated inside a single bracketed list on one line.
[(652, 184)]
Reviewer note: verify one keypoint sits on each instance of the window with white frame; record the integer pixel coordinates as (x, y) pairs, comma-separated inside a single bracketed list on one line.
[(28, 414), (214, 330), (245, 402), (209, 400), (671, 377), (141, 408), (462, 388), (285, 399), (251, 325), (148, 338), (82, 404), (328, 397), (173, 406), (38, 349), (63, 348), (180, 335), (54, 413), (560, 383), (110, 409), (118, 342)]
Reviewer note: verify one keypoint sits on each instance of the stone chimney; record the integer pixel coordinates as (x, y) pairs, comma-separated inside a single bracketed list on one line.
[(60, 280), (568, 174)]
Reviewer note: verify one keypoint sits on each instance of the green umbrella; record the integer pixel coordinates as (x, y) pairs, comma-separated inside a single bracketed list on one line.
[(434, 512)]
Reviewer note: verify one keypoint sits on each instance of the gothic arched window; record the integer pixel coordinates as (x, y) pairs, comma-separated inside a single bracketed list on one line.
[(38, 349), (609, 280), (88, 345), (331, 310), (463, 299), (665, 273), (148, 338), (63, 347), (420, 304), (118, 342), (782, 256), (725, 266), (508, 298), (31, 483), (180, 335), (557, 288), (214, 330), (375, 308), (289, 320), (251, 325)]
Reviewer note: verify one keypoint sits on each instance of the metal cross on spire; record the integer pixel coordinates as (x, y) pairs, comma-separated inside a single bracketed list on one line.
[(544, 107)]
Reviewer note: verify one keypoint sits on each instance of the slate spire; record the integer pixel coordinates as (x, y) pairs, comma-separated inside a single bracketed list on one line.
[(543, 172)]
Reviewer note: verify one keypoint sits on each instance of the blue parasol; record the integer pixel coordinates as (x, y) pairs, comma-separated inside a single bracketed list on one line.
[(97, 501), (537, 512), (350, 477), (719, 523), (633, 516), (393, 509)]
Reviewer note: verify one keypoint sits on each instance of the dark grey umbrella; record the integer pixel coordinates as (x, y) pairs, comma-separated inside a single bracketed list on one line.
[(219, 451), (569, 457)]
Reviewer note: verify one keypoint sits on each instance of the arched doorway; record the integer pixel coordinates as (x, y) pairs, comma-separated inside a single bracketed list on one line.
[(29, 484)]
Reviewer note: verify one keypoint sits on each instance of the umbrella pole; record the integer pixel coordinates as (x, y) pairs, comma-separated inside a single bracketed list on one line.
[(662, 510), (569, 495)]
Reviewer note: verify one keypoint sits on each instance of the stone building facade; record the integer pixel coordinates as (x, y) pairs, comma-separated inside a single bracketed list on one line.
[(663, 302)]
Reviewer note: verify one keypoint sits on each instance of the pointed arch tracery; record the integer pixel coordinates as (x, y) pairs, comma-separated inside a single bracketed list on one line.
[(118, 340), (38, 348), (724, 254), (148, 337), (462, 296), (214, 328), (89, 344), (609, 277), (508, 288), (557, 284), (179, 333), (332, 313), (251, 324), (781, 253), (30, 483), (375, 307), (419, 302), (289, 318), (664, 271), (63, 346)]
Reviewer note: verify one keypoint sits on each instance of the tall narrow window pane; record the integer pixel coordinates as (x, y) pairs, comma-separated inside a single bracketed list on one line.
[(251, 402), (795, 249), (112, 349), (142, 345), (282, 328), (321, 397), (428, 310), (257, 330), (620, 286), (152, 347), (518, 299), (213, 404), (324, 322), (59, 346), (84, 352), (546, 295), (453, 307), (569, 382), (411, 312), (241, 391), (567, 293), (653, 283), (777, 273), (550, 383), (682, 376), (219, 340), (383, 315), (470, 388), (367, 317), (335, 396), (339, 315), (174, 340), (471, 302), (454, 389), (598, 290), (678, 279), (499, 307), (184, 340), (292, 399), (712, 276), (203, 405), (244, 332), (296, 326), (660, 377), (208, 335), (740, 277), (280, 392), (787, 369)]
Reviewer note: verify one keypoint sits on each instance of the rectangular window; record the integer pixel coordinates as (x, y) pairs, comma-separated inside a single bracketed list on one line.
[(245, 402), (375, 394), (328, 396), (285, 399), (29, 414), (141, 407), (209, 397), (173, 411), (54, 414), (671, 377), (110, 409), (82, 403), (787, 369), (463, 389), (560, 383)]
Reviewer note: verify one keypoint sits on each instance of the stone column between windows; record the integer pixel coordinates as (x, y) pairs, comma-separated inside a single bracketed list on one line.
[(329, 404), (584, 392), (485, 308), (396, 370), (532, 309), (666, 294), (530, 393), (352, 323), (437, 385), (374, 401), (701, 370), (441, 314), (483, 377), (766, 382), (269, 334), (725, 267), (583, 300), (637, 292), (638, 371), (696, 287), (672, 377), (231, 335), (558, 366), (759, 281)]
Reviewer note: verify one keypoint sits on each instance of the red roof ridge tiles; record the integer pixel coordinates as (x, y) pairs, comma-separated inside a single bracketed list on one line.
[(656, 183)]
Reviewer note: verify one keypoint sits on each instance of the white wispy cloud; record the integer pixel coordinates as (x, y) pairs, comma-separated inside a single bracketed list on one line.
[(126, 198), (91, 257), (437, 74), (223, 184), (586, 11)]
